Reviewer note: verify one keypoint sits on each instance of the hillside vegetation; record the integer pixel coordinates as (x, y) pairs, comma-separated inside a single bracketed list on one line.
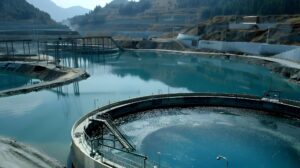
[(285, 29), (20, 10), (247, 7), (163, 15), (21, 20)]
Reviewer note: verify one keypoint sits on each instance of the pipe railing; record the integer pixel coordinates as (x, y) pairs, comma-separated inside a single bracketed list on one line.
[(109, 119), (129, 159)]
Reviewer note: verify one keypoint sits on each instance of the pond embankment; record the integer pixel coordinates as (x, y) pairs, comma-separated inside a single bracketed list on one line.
[(28, 58), (285, 68), (17, 155), (50, 75)]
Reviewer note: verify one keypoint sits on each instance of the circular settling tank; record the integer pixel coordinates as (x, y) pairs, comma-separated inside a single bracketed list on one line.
[(194, 137), (190, 130)]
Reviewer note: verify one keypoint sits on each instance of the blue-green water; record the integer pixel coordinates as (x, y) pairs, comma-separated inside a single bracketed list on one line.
[(11, 80), (195, 137), (44, 119)]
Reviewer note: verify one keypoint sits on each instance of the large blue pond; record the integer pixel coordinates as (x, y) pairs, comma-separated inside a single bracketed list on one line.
[(44, 119)]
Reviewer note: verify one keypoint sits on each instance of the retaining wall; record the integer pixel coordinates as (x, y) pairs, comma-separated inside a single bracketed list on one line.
[(251, 26), (245, 47), (292, 55)]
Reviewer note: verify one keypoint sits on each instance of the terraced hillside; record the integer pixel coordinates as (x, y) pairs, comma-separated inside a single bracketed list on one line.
[(281, 29), (136, 19), (159, 17)]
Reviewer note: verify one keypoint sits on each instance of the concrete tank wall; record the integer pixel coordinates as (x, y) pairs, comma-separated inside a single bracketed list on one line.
[(191, 101), (284, 107), (132, 106), (81, 160)]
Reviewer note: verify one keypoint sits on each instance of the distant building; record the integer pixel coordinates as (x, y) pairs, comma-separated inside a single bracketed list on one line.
[(251, 23), (251, 20)]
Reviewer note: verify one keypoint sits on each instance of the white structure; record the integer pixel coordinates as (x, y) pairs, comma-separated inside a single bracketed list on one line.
[(252, 26), (292, 55), (189, 40), (245, 47), (195, 42)]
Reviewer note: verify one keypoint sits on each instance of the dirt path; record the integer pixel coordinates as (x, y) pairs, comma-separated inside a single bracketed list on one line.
[(17, 155)]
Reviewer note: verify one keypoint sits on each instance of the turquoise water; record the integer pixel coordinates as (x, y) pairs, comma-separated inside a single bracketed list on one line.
[(44, 119), (11, 80), (195, 137)]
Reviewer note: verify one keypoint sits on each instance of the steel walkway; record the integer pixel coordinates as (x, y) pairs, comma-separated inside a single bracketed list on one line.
[(115, 131)]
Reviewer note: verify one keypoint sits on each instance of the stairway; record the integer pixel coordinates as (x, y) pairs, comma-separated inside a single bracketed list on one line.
[(115, 131)]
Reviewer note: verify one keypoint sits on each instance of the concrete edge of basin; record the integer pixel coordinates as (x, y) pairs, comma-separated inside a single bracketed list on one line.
[(120, 109), (51, 75)]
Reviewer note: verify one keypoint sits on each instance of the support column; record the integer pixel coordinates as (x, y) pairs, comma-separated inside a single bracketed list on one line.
[(7, 50), (24, 52), (28, 48)]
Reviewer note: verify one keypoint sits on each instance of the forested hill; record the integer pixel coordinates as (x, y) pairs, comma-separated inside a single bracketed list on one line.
[(21, 11), (243, 7), (163, 15), (212, 7)]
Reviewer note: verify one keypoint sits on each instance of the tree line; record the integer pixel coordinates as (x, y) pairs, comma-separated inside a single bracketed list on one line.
[(133, 8), (20, 10), (209, 8), (243, 7)]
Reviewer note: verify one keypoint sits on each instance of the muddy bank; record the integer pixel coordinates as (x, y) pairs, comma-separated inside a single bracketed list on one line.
[(50, 75), (14, 154), (168, 44)]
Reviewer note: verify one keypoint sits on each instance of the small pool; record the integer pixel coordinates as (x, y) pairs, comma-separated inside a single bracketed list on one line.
[(12, 80), (195, 137)]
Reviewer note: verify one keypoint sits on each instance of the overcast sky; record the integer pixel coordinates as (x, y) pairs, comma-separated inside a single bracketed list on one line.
[(90, 4)]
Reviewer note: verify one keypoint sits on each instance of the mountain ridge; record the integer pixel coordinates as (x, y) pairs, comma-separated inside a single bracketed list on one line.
[(165, 16), (56, 12), (21, 11)]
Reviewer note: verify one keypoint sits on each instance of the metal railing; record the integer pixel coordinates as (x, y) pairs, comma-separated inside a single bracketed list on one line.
[(114, 155), (109, 119), (115, 132)]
